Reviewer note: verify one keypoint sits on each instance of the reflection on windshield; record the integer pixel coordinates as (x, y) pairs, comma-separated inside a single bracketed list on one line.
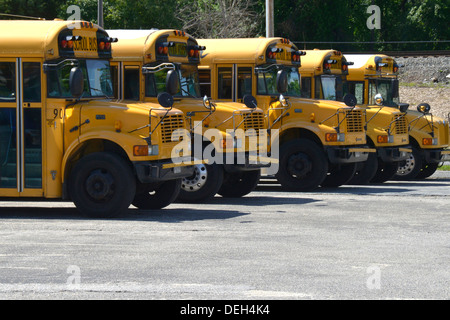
[(385, 88), (97, 79), (330, 88), (155, 82), (267, 81)]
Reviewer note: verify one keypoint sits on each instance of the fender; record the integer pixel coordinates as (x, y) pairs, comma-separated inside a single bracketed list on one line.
[(318, 129), (125, 141)]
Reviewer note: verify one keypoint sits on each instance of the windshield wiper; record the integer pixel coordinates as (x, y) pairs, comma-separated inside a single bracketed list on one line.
[(98, 90)]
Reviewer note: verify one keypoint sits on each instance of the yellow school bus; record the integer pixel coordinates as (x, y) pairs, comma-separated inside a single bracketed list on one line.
[(143, 60), (320, 141), (324, 76), (62, 137), (373, 74)]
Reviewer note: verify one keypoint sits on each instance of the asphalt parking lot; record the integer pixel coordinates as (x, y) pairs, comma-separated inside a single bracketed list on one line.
[(383, 241)]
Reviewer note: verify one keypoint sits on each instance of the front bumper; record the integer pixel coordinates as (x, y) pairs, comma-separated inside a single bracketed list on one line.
[(247, 161), (351, 154), (157, 171), (394, 154), (436, 155)]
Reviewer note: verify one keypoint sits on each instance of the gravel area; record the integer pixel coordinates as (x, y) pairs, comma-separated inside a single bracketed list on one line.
[(426, 79)]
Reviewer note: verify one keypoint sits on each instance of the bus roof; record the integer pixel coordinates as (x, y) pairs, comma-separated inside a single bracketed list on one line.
[(371, 65), (137, 43), (314, 58), (362, 60), (25, 38), (242, 50)]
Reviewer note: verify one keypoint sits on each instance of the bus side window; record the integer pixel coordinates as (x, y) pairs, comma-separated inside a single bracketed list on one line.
[(131, 83), (31, 82), (225, 83), (357, 89), (306, 87), (205, 82), (244, 82), (7, 82)]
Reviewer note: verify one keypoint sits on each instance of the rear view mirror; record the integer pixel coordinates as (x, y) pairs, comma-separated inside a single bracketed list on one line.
[(207, 102), (282, 81), (172, 82), (250, 101), (423, 108), (76, 82), (165, 100), (350, 100)]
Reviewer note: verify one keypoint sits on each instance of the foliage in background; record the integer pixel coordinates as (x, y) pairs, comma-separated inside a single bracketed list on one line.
[(301, 21)]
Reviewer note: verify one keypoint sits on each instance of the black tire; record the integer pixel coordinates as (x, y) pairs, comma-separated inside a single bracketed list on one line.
[(156, 196), (386, 171), (410, 168), (238, 184), (202, 185), (427, 170), (365, 171), (102, 185), (303, 165), (339, 175)]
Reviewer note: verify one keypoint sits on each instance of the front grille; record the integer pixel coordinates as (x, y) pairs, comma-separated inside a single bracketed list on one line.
[(400, 125), (254, 120), (354, 121), (169, 125)]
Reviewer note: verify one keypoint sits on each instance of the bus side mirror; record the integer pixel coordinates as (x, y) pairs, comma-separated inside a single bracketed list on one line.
[(76, 82), (250, 101), (394, 88), (423, 108), (282, 81), (172, 82), (165, 100), (207, 102), (350, 100)]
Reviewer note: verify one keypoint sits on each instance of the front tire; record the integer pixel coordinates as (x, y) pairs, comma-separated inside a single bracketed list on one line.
[(339, 175), (428, 169), (410, 168), (102, 185), (365, 171), (158, 195), (385, 171), (303, 165), (239, 184), (202, 185)]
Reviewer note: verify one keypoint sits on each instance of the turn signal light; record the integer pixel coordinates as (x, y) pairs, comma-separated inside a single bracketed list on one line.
[(429, 141), (140, 151), (330, 137)]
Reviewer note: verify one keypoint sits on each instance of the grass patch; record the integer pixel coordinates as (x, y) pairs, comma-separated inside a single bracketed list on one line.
[(444, 168), (423, 85)]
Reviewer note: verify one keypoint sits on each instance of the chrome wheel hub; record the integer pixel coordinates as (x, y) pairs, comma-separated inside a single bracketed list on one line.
[(197, 180)]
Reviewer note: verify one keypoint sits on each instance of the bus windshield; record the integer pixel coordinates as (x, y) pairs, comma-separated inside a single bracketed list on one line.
[(329, 87), (155, 80), (267, 80), (387, 90), (97, 79)]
